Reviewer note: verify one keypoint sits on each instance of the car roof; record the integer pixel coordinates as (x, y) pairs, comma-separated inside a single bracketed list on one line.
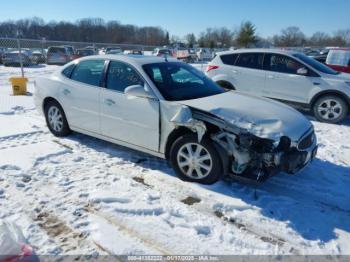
[(134, 59), (259, 50), (58, 47)]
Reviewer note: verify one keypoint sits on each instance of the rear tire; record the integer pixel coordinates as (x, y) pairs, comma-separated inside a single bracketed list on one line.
[(330, 109), (196, 161), (56, 119)]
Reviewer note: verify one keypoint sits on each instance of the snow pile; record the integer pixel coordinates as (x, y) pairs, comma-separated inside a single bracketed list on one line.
[(80, 195)]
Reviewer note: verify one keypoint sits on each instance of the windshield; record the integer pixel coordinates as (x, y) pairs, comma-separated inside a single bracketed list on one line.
[(315, 64), (85, 52), (178, 81)]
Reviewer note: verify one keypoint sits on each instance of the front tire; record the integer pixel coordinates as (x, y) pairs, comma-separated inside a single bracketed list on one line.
[(196, 161), (330, 109), (56, 119)]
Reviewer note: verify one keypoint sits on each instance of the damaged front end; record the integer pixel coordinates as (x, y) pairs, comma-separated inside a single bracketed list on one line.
[(250, 156)]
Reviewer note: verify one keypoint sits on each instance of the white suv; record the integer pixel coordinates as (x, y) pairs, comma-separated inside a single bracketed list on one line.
[(287, 76)]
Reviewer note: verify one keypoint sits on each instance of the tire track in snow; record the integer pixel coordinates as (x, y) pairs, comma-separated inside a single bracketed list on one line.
[(251, 229), (22, 139), (64, 237), (120, 226), (202, 207), (212, 212)]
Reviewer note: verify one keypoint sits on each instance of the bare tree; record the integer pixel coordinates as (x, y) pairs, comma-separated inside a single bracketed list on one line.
[(87, 29), (290, 36), (216, 37), (191, 40), (319, 39), (344, 35)]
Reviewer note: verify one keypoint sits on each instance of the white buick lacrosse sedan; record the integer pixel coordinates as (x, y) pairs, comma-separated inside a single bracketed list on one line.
[(171, 110)]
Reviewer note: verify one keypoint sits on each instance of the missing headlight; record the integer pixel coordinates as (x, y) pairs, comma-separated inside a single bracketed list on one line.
[(284, 144)]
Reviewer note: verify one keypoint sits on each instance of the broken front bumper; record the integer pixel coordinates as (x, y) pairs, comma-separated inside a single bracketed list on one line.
[(295, 160)]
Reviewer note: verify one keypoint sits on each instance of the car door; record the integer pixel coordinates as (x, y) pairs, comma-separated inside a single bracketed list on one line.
[(133, 120), (283, 81), (249, 74), (80, 95)]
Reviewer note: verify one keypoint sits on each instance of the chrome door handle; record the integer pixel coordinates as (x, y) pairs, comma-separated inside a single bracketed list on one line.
[(270, 77), (66, 92), (235, 71), (109, 102)]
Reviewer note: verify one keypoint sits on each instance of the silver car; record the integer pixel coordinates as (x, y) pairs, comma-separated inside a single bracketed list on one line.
[(171, 110), (288, 76), (59, 55), (15, 58)]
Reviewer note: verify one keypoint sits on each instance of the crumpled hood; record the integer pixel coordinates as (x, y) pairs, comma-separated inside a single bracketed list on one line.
[(261, 117)]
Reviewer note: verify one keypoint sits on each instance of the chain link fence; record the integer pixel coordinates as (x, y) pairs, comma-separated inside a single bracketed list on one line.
[(29, 52)]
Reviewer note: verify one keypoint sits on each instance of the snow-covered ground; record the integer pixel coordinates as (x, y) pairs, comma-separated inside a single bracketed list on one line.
[(81, 195)]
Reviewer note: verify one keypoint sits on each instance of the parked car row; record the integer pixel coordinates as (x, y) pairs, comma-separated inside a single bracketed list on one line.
[(189, 55), (27, 57), (55, 55), (336, 58)]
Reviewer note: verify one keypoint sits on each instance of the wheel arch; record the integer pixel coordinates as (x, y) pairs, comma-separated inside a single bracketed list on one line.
[(211, 129), (330, 92), (175, 134), (50, 98)]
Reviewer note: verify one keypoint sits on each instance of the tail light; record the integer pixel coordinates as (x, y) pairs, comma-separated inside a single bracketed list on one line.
[(211, 67)]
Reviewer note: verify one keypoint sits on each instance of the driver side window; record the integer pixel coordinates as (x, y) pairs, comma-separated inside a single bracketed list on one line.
[(283, 64), (120, 76)]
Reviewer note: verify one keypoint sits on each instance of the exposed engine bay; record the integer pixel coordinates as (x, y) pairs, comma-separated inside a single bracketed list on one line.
[(248, 155)]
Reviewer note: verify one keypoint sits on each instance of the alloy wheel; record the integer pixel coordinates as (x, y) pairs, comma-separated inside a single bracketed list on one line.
[(194, 161), (330, 109), (55, 118)]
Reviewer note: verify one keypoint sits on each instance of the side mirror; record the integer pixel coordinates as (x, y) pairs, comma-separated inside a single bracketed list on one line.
[(138, 91), (302, 71)]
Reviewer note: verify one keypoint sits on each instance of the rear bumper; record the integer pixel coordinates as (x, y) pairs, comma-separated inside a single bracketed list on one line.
[(57, 61), (38, 101)]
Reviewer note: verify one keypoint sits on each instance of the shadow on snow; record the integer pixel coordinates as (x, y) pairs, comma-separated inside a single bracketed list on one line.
[(314, 203)]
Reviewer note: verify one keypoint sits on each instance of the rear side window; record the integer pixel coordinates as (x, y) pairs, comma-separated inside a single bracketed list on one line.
[(229, 59), (89, 72), (164, 52), (121, 76), (56, 50), (250, 60), (69, 50), (282, 64), (67, 72)]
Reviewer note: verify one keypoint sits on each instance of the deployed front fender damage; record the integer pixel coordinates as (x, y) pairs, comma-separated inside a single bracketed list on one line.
[(234, 141), (253, 151), (183, 117)]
